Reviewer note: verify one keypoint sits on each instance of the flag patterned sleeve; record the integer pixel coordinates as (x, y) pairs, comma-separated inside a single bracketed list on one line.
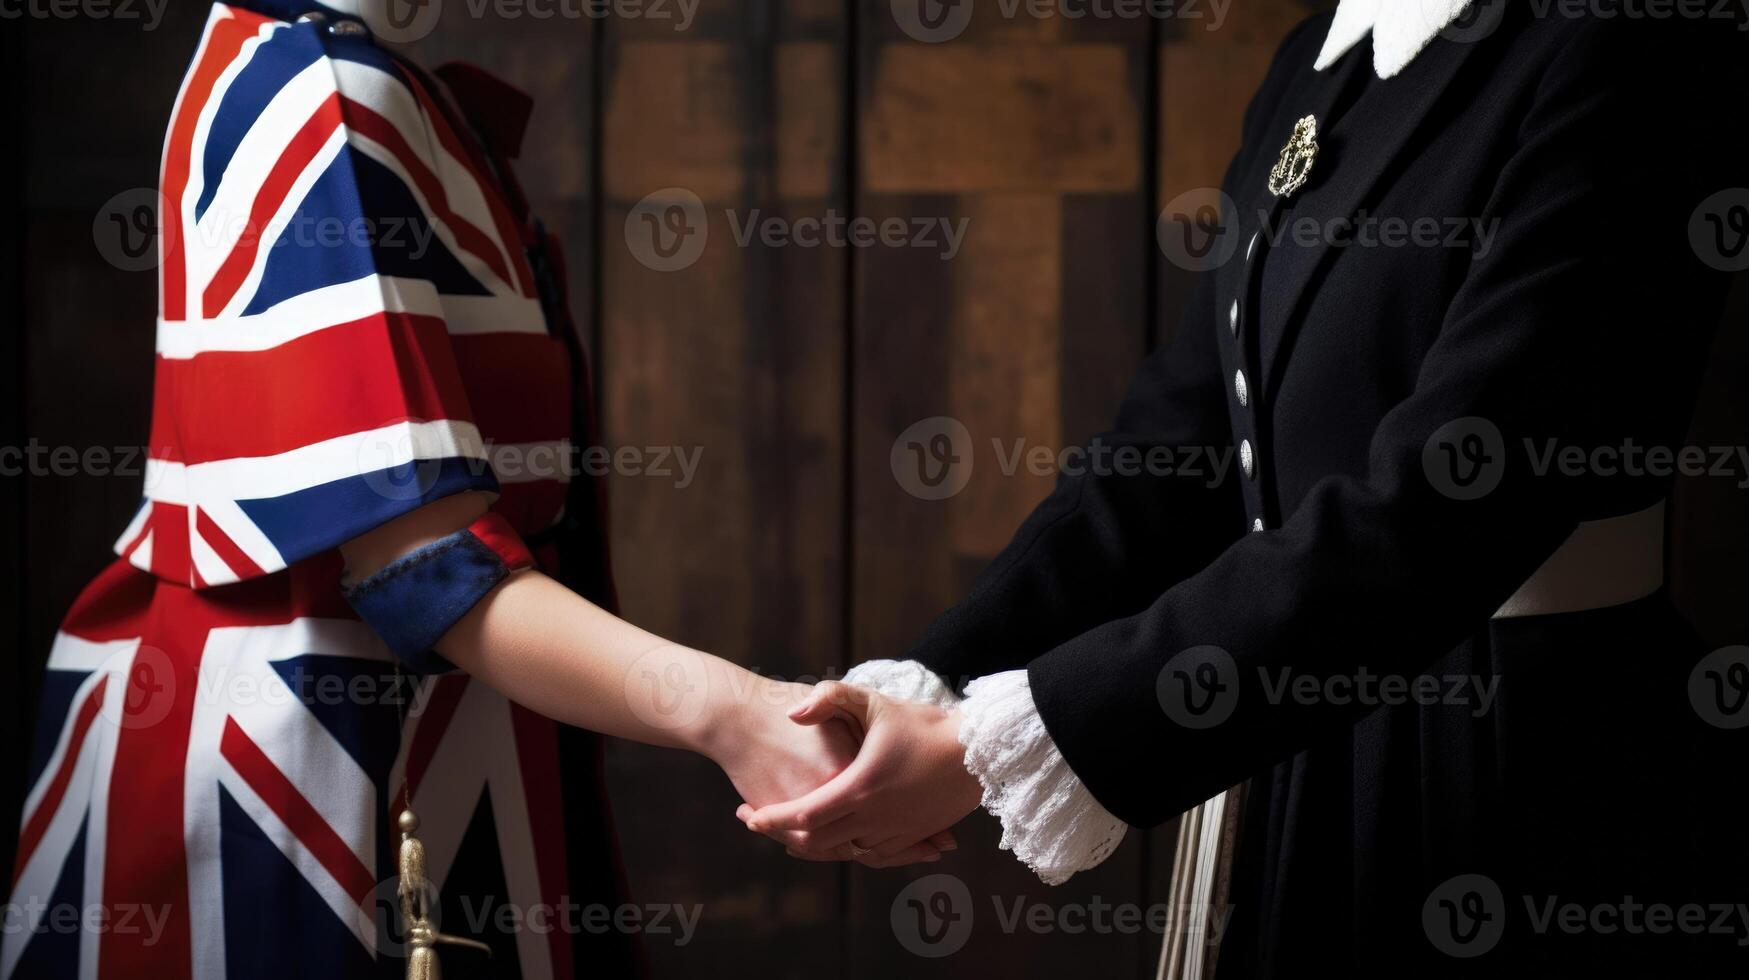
[(324, 233)]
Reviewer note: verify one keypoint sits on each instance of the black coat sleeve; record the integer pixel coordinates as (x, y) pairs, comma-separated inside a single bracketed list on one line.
[(1105, 544), (1587, 323)]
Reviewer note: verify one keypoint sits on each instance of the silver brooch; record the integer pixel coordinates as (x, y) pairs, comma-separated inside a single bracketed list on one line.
[(1289, 173)]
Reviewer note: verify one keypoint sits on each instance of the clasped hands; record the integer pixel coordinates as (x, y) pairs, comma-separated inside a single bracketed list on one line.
[(846, 773)]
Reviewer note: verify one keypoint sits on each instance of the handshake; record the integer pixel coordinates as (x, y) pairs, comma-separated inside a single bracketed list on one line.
[(837, 772)]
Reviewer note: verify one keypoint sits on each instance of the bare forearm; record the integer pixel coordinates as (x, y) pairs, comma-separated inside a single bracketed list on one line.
[(551, 650), (555, 652)]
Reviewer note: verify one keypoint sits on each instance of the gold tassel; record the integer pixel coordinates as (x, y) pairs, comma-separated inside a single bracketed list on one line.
[(415, 893)]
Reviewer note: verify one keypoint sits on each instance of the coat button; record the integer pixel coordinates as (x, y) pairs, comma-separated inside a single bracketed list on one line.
[(1241, 389), (1247, 458), (348, 28), (1256, 524), (1233, 318)]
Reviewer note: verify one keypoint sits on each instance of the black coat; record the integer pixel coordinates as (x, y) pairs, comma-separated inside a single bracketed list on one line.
[(1582, 314)]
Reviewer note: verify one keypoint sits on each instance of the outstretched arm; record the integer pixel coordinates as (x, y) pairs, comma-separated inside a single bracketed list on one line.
[(550, 650)]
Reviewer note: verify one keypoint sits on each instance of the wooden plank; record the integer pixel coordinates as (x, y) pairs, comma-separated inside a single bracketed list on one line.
[(736, 354), (1033, 138), (977, 119)]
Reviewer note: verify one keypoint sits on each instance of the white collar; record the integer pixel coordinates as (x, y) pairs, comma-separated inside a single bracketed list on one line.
[(1399, 29)]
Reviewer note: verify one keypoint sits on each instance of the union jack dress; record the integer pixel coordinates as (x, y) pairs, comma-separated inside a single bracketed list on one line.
[(357, 316)]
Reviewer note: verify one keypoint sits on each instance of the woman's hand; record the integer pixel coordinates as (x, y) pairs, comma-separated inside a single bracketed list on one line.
[(908, 782), (766, 756)]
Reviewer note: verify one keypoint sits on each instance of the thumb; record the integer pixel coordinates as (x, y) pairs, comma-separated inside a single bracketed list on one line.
[(833, 699)]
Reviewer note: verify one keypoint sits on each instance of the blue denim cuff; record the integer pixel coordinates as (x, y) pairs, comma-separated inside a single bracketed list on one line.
[(414, 600)]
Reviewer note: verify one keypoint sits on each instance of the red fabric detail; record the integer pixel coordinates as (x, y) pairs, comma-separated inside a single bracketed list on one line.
[(496, 533), (498, 110), (304, 146), (354, 377), (303, 820)]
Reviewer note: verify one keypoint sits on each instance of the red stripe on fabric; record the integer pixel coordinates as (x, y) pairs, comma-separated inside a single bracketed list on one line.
[(223, 43), (496, 533), (368, 122), (145, 862), (290, 805), (292, 162), (434, 719), (170, 558), (537, 749), (222, 545), (164, 442), (508, 230), (37, 825), (133, 544), (358, 376), (518, 383)]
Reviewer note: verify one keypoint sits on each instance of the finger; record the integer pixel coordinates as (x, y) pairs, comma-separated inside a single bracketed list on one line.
[(833, 699), (845, 831), (894, 846), (945, 841), (831, 801), (921, 852)]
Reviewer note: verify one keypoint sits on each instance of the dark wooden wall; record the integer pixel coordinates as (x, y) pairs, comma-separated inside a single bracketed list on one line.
[(793, 369)]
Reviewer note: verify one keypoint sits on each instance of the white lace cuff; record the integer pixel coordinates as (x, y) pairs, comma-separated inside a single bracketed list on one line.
[(906, 680), (1049, 819)]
